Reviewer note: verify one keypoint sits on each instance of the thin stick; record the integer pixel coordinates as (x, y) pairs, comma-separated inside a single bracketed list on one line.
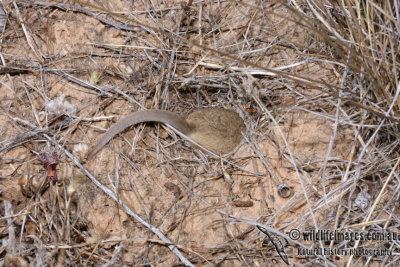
[(172, 247), (374, 206)]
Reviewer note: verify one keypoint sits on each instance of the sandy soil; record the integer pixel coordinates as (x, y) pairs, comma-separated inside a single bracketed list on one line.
[(199, 202)]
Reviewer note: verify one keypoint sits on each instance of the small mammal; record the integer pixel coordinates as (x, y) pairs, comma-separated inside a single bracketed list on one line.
[(216, 129)]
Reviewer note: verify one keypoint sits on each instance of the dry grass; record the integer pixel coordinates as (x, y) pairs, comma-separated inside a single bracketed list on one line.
[(316, 82)]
